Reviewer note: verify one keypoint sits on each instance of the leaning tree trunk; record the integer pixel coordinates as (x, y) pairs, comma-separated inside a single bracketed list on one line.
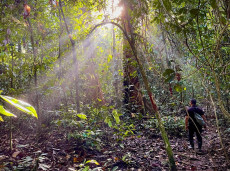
[(130, 48)]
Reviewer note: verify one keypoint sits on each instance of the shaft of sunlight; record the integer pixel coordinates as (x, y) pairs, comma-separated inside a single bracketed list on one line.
[(113, 9)]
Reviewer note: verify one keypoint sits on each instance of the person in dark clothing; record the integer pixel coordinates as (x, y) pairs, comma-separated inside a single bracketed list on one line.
[(191, 124)]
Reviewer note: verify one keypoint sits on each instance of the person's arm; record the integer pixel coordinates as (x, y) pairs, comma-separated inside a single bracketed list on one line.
[(186, 122), (204, 118)]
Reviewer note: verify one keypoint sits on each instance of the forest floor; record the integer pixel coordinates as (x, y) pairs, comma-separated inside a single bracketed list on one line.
[(52, 151)]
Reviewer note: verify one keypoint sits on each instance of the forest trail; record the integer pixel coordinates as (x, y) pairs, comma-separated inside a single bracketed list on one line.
[(212, 157), (147, 153)]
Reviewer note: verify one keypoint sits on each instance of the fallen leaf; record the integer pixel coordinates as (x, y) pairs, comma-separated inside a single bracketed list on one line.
[(75, 160), (93, 161), (15, 154)]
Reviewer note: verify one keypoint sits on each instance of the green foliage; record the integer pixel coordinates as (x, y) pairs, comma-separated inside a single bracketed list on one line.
[(115, 116), (90, 127), (173, 125), (124, 130)]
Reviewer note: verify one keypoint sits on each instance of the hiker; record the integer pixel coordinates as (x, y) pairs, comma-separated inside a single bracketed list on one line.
[(190, 121)]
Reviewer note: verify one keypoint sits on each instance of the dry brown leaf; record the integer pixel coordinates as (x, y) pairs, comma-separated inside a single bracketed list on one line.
[(15, 154)]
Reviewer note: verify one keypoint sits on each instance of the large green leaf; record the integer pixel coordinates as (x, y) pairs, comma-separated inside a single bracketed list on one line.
[(5, 112), (21, 105)]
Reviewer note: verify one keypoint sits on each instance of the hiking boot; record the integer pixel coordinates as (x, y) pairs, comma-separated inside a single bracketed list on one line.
[(200, 151)]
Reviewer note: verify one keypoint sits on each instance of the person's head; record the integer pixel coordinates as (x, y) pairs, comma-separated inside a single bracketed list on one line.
[(193, 102)]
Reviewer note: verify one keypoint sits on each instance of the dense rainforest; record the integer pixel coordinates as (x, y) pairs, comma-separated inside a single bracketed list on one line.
[(96, 85)]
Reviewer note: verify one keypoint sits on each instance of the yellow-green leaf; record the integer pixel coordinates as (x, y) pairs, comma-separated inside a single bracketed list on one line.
[(116, 116), (92, 161), (21, 105), (5, 112), (82, 116)]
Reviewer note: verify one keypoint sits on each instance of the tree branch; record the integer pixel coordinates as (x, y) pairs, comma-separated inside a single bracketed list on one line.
[(67, 29)]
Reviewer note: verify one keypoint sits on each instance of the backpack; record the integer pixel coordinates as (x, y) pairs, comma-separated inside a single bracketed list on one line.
[(199, 119)]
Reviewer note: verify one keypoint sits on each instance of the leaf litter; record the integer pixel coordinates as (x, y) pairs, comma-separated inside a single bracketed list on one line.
[(53, 151)]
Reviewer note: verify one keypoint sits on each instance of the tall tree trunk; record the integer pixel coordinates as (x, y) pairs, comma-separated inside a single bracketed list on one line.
[(133, 97), (75, 62)]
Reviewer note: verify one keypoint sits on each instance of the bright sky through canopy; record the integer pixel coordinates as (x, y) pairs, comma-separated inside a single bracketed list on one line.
[(113, 9)]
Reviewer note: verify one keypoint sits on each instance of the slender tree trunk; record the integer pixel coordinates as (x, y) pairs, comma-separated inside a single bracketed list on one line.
[(34, 67), (20, 85), (11, 134), (217, 125), (115, 63), (12, 68), (193, 94), (75, 61), (217, 85), (166, 51), (60, 44), (181, 97)]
